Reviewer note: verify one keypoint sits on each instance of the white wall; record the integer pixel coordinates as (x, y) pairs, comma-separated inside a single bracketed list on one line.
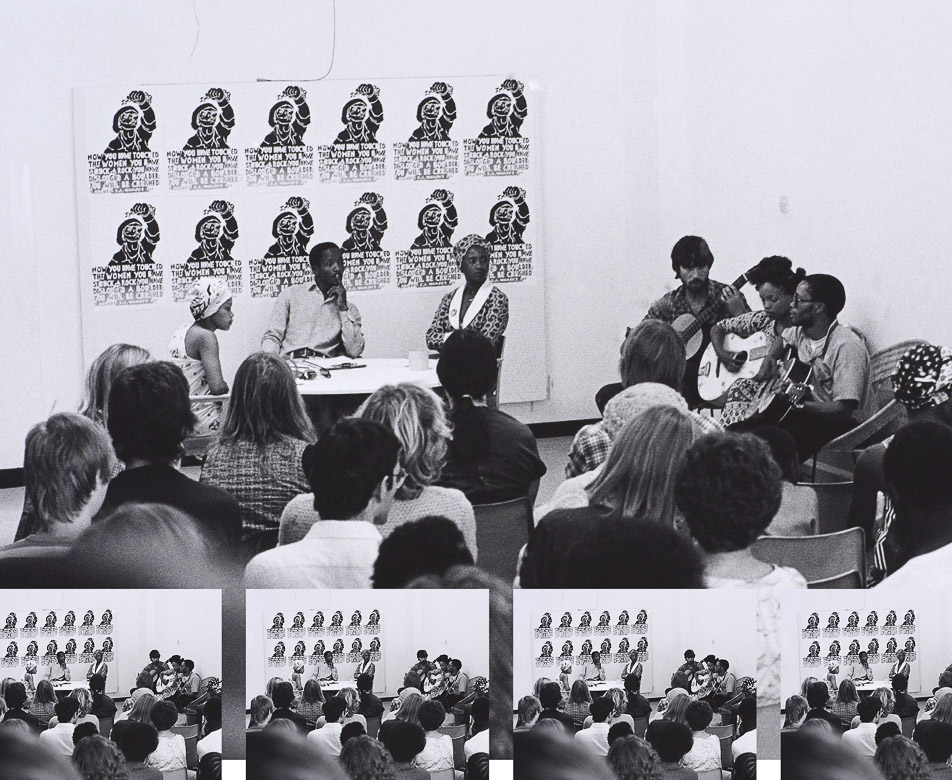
[(709, 621), (658, 119), (454, 622), (933, 631), (182, 622)]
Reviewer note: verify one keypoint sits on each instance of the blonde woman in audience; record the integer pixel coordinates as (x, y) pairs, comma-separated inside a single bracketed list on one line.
[(886, 714), (438, 753), (269, 688), (677, 709), (672, 694), (805, 685), (83, 714), (351, 715), (258, 454), (579, 703), (396, 705), (140, 711), (261, 709), (537, 686), (44, 702), (410, 709), (620, 704), (312, 702)]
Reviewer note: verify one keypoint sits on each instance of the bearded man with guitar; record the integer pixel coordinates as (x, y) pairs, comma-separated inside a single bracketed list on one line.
[(833, 399), (696, 305)]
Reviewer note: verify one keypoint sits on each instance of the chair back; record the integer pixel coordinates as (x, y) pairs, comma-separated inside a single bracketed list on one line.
[(176, 774), (458, 735), (501, 530), (720, 731), (727, 758), (191, 744), (460, 718), (908, 726), (847, 580), (105, 725), (641, 726), (816, 557), (709, 774), (443, 774), (373, 726), (833, 504)]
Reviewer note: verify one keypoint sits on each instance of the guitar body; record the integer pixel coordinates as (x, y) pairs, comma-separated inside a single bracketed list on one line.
[(714, 379), (774, 404)]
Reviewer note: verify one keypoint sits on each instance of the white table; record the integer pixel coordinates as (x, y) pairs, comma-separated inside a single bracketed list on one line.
[(607, 685), (376, 373), (869, 687)]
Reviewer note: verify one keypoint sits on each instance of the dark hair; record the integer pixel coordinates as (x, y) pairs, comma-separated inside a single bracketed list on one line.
[(163, 715), (935, 739), (351, 730), (618, 730), (550, 695), (431, 715), (155, 654), (136, 740), (817, 695), (266, 407), (899, 683), (778, 271), (827, 290), (149, 412), (15, 695), (283, 695), (477, 768), (422, 653), (212, 710), (333, 708), (403, 739), (869, 708), (467, 370), (725, 663), (364, 682), (83, 730), (175, 659), (888, 729), (347, 464), (430, 545), (480, 709), (728, 490), (209, 767), (783, 448), (318, 250), (632, 684), (916, 468), (600, 709), (66, 708), (691, 252), (189, 664), (745, 767), (699, 715), (671, 740)]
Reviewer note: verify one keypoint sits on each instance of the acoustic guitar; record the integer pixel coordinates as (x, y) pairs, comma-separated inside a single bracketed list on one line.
[(785, 391), (690, 326), (714, 379)]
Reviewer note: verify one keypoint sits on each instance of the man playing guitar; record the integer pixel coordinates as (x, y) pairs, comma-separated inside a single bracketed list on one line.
[(834, 400), (703, 299)]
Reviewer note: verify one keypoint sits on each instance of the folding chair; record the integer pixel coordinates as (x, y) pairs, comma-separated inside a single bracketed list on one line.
[(501, 530), (191, 744), (727, 758), (720, 731), (816, 557), (373, 726), (833, 504), (458, 735), (105, 725), (641, 726), (908, 726)]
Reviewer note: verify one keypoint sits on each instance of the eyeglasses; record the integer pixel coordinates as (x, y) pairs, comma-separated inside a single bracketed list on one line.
[(797, 300)]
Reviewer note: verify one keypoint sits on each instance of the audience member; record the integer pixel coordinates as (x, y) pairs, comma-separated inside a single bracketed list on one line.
[(672, 741), (405, 741), (548, 755), (209, 766), (595, 737), (809, 754), (137, 740), (351, 711), (746, 741), (795, 712), (353, 471), (98, 758), (211, 742), (619, 730), (479, 730), (477, 767), (364, 758), (705, 753), (550, 696), (864, 735), (818, 695), (883, 731), (906, 705), (845, 704), (935, 739), (170, 753), (619, 704), (257, 457), (492, 456), (82, 731), (141, 710), (429, 546), (84, 713), (437, 755), (351, 730), (579, 703), (900, 758), (43, 707), (528, 712), (638, 706), (280, 755), (633, 758), (60, 736), (327, 738), (261, 709)]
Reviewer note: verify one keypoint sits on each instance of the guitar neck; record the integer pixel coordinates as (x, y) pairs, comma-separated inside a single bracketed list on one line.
[(709, 310)]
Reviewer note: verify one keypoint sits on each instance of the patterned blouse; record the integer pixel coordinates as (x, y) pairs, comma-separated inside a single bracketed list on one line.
[(491, 320), (578, 712), (743, 395)]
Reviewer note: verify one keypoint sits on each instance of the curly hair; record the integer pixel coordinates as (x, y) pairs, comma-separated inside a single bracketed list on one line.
[(99, 759), (415, 414), (633, 758), (364, 758), (728, 490)]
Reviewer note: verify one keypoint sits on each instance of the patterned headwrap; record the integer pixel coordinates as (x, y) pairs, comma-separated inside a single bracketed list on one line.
[(923, 378), (468, 242), (213, 686), (208, 296), (832, 665), (299, 666), (566, 667), (634, 400), (480, 685)]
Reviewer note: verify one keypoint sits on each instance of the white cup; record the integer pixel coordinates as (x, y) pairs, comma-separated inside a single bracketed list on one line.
[(419, 359)]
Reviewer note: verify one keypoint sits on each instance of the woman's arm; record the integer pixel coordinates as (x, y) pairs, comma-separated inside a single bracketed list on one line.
[(206, 344)]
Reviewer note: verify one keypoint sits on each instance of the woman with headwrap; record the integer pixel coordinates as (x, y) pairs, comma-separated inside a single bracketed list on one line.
[(194, 346), (477, 304)]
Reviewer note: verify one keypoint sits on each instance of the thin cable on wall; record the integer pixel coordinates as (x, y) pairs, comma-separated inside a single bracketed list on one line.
[(330, 67)]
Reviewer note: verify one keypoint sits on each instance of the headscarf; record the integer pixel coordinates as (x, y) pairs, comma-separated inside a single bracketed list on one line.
[(299, 666), (480, 685), (832, 665), (208, 296), (468, 242), (923, 378), (634, 400), (213, 686)]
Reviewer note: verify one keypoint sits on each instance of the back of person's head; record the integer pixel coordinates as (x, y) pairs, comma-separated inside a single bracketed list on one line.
[(164, 715), (795, 709), (747, 711), (783, 448), (529, 708), (347, 465), (868, 709), (900, 758), (480, 710), (618, 730), (403, 739), (628, 554), (691, 252), (653, 351), (811, 753), (103, 372), (149, 412), (364, 683), (698, 715), (282, 694), (477, 767), (415, 414), (728, 491), (209, 766), (550, 695), (432, 715), (364, 758), (601, 709), (142, 709), (637, 480), (83, 730), (778, 271), (285, 755), (579, 693), (886, 730), (916, 468), (66, 709), (64, 460), (351, 730), (677, 708), (935, 739), (99, 758), (312, 692), (144, 679), (900, 683), (213, 713), (333, 708), (136, 740), (428, 546), (265, 406), (633, 758), (846, 693), (632, 685), (827, 290), (15, 695), (261, 709), (671, 740), (549, 754), (467, 365)]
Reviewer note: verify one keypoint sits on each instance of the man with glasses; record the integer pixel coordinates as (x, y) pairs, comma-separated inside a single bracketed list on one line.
[(833, 400)]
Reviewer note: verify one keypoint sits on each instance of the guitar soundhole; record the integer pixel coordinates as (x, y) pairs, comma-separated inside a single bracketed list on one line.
[(742, 356)]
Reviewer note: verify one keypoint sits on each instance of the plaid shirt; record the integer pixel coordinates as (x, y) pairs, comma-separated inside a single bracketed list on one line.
[(592, 443), (673, 304)]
